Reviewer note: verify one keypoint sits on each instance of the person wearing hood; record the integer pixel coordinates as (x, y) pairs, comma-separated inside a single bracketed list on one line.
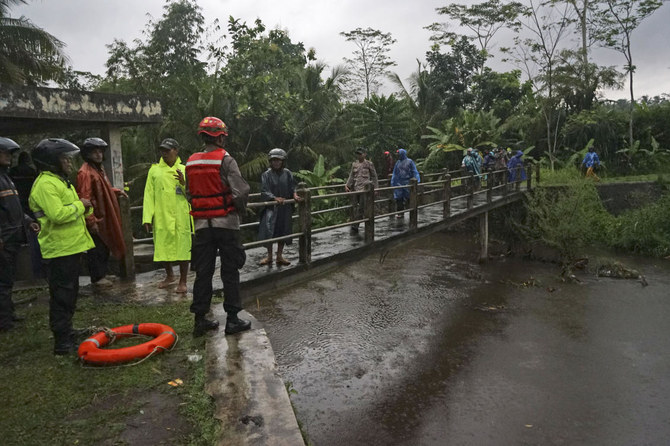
[(471, 164), (13, 226), (404, 170), (166, 213), (104, 224), (591, 162), (278, 185), (388, 164), (514, 163), (63, 236)]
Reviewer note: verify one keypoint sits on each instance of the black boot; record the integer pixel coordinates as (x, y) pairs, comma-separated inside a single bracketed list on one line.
[(235, 325), (63, 344), (203, 325)]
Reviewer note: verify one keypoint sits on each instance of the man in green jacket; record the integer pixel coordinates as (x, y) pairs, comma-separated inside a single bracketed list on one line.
[(64, 237)]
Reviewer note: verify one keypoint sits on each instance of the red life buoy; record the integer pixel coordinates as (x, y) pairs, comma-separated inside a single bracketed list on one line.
[(91, 350)]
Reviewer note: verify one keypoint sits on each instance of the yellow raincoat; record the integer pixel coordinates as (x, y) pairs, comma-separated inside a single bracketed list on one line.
[(61, 216), (167, 209)]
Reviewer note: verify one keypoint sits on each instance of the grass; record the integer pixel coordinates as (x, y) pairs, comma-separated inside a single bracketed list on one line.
[(55, 400), (565, 176)]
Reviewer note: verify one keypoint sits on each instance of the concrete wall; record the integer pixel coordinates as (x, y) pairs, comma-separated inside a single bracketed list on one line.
[(620, 197)]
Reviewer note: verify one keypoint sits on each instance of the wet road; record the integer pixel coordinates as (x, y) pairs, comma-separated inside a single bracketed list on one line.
[(425, 347)]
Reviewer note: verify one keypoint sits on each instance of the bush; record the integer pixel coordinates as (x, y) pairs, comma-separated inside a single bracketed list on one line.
[(645, 230)]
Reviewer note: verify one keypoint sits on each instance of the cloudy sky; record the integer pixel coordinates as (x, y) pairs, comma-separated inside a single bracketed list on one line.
[(86, 26)]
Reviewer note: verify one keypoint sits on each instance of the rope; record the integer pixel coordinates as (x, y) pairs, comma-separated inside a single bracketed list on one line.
[(112, 337)]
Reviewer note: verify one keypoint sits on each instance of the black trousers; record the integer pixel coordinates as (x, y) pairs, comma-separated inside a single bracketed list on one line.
[(98, 259), (7, 269), (63, 277), (210, 242)]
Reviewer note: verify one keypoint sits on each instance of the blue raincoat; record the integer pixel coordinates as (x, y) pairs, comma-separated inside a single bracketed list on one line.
[(404, 170), (513, 163)]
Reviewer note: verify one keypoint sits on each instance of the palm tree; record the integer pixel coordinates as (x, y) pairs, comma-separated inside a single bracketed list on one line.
[(28, 54)]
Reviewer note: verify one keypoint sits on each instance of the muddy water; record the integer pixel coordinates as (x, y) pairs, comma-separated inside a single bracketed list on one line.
[(423, 346)]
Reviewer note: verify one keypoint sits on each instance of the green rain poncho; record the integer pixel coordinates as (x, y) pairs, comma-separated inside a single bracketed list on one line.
[(166, 208)]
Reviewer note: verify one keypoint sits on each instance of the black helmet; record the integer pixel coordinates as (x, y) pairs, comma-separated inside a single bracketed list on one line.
[(47, 152), (8, 145), (169, 144), (94, 143), (361, 151), (278, 154)]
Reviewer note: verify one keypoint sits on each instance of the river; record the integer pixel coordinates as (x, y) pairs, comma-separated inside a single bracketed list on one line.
[(424, 346)]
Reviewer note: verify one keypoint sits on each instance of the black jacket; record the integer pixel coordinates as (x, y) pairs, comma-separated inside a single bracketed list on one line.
[(13, 221)]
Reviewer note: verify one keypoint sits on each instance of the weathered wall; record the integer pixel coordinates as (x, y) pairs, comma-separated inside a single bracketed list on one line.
[(620, 197), (29, 110)]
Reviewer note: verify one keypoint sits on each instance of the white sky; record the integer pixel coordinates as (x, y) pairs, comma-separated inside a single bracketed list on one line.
[(86, 26)]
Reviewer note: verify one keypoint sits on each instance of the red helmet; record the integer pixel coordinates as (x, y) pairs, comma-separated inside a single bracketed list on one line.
[(213, 127)]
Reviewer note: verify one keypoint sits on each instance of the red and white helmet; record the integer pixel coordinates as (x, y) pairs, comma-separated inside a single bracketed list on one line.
[(213, 127)]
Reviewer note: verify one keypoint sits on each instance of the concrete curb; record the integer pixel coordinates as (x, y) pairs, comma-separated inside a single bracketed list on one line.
[(250, 397)]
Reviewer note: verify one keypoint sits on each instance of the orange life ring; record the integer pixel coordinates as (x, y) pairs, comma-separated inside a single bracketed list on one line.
[(91, 351)]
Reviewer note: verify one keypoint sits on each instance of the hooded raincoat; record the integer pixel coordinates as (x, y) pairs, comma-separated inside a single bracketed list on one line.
[(92, 183), (167, 210), (512, 166), (404, 170)]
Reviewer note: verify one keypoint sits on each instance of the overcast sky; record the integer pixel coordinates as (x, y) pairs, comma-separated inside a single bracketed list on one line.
[(86, 26)]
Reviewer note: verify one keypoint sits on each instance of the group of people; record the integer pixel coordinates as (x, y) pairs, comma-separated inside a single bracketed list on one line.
[(363, 173), (72, 220), (497, 159)]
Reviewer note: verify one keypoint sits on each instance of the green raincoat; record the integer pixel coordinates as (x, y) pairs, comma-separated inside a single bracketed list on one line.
[(61, 216), (166, 208)]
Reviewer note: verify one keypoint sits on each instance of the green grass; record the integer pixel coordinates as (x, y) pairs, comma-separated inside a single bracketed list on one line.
[(54, 400), (565, 176)]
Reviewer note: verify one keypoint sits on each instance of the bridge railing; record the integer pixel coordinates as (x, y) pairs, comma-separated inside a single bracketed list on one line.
[(440, 188)]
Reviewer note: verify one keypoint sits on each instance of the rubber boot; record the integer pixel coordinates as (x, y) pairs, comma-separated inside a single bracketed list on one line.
[(63, 344), (236, 325), (203, 325)]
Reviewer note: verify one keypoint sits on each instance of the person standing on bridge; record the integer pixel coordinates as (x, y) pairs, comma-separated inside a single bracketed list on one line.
[(13, 224), (166, 214), (514, 164), (219, 197), (104, 224), (471, 164), (362, 173), (591, 162), (278, 185), (63, 236), (404, 170)]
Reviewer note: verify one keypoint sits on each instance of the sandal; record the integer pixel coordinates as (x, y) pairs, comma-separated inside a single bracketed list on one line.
[(265, 261), (282, 261)]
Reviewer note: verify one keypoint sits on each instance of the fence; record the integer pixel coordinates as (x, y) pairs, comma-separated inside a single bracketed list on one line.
[(435, 189)]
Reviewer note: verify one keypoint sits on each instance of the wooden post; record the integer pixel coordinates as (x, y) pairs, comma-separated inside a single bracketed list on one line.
[(369, 213), (489, 187), (390, 204), (127, 263), (446, 196), (305, 218), (483, 237), (505, 180), (413, 204), (517, 179), (529, 180), (471, 196)]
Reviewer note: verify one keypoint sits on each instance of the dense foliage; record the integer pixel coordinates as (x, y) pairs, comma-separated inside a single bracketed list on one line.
[(273, 92)]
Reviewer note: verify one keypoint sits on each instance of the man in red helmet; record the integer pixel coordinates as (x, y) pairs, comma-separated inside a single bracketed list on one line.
[(218, 195)]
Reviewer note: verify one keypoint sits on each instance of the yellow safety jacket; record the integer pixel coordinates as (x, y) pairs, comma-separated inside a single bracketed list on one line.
[(61, 215)]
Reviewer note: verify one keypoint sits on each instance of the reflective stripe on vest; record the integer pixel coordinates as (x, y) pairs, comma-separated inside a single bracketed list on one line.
[(209, 196)]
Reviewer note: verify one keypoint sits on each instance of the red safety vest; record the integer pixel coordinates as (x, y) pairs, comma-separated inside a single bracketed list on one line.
[(209, 196)]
